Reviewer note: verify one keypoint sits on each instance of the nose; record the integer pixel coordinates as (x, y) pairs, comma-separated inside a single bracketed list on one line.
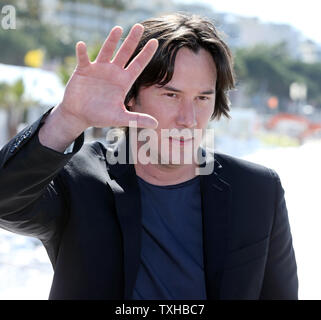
[(187, 115)]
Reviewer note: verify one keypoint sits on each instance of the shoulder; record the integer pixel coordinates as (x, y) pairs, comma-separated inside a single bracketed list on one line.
[(233, 166), (249, 180), (247, 177)]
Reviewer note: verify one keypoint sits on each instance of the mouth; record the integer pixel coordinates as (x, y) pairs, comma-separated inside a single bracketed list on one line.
[(181, 141)]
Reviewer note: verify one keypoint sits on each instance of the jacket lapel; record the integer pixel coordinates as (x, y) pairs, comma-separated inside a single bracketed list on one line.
[(123, 183), (216, 204)]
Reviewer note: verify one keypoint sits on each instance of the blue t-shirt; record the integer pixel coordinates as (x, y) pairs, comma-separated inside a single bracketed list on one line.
[(172, 248)]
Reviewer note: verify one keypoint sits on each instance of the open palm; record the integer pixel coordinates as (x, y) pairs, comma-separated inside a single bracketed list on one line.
[(96, 91)]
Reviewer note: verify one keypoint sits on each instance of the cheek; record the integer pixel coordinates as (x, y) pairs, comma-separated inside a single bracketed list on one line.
[(204, 115), (164, 114)]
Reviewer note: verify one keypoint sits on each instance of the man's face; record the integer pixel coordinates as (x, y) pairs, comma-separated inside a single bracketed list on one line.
[(186, 102)]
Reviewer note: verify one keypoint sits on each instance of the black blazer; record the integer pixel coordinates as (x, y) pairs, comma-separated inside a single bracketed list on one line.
[(87, 214)]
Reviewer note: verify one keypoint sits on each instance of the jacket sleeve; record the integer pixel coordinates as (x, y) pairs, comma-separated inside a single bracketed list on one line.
[(33, 200), (280, 280)]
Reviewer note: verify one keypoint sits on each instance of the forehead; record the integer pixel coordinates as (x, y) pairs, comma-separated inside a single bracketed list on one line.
[(194, 69)]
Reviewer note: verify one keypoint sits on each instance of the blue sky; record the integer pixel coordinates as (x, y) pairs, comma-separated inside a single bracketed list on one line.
[(302, 15)]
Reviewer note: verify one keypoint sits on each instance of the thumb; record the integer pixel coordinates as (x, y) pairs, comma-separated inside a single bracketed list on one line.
[(139, 120)]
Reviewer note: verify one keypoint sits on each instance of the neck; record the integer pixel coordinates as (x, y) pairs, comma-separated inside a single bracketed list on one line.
[(159, 174)]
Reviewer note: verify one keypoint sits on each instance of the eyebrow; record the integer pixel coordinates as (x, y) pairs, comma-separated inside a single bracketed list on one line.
[(170, 88)]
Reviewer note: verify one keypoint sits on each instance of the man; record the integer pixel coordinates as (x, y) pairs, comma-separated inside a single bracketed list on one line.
[(158, 229)]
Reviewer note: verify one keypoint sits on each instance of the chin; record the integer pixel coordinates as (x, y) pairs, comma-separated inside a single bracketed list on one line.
[(176, 159)]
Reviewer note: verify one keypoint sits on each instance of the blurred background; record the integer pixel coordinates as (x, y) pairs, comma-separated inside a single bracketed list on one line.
[(276, 107)]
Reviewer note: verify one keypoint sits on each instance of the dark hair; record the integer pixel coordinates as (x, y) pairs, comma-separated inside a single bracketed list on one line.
[(180, 30)]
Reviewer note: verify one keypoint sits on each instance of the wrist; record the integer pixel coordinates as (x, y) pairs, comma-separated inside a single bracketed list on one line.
[(68, 123), (60, 129)]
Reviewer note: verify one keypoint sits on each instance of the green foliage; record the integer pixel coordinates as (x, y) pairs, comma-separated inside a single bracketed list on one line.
[(312, 77), (270, 70), (18, 89), (116, 4), (66, 68), (32, 34), (12, 95), (15, 44), (4, 90), (93, 51), (12, 99), (29, 9)]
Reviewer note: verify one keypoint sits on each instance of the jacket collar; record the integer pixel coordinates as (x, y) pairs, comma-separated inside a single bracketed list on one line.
[(216, 204)]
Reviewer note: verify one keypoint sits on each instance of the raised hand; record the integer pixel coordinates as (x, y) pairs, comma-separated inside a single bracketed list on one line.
[(96, 91)]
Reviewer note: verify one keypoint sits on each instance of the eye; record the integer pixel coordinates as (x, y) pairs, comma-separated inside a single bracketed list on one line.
[(171, 95), (203, 98)]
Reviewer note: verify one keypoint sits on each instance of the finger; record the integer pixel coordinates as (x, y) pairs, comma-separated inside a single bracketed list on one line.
[(81, 53), (136, 119), (129, 45), (110, 44), (142, 59)]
